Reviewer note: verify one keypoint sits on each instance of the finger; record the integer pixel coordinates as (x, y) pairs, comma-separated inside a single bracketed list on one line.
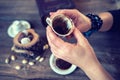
[(54, 49), (67, 12), (51, 13), (48, 33), (56, 53), (61, 10), (53, 38), (59, 54), (79, 36), (52, 46)]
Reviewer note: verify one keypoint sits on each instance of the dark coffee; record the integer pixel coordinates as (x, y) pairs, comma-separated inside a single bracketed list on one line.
[(61, 25), (62, 64)]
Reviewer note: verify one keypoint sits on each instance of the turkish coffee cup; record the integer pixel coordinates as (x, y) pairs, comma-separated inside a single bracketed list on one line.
[(61, 25)]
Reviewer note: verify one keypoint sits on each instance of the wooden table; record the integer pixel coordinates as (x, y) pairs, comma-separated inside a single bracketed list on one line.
[(106, 45)]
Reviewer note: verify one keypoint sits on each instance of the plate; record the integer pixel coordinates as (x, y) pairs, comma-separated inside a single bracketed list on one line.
[(11, 30)]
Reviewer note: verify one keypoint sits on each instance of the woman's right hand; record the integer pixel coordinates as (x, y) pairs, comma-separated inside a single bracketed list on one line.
[(80, 54), (81, 21)]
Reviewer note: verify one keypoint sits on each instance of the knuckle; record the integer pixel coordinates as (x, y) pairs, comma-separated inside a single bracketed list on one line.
[(75, 10), (53, 40), (59, 10)]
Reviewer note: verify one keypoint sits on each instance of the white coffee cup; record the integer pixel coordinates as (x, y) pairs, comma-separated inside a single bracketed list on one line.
[(56, 69), (61, 25)]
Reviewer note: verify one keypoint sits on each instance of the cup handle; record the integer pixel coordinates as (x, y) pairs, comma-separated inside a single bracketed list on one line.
[(48, 20)]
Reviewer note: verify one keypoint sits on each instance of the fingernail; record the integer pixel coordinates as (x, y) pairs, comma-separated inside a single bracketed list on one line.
[(51, 13)]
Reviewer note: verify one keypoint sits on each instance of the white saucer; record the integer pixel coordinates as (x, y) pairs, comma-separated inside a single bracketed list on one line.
[(58, 70), (12, 32)]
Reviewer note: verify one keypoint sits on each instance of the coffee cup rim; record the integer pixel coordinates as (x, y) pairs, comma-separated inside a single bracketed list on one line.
[(72, 25)]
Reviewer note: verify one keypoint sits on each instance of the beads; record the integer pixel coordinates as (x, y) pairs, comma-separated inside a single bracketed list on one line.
[(96, 24)]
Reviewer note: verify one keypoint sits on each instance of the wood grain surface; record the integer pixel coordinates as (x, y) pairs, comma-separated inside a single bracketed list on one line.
[(106, 45)]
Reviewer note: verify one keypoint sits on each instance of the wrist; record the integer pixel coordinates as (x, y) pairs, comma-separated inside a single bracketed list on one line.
[(88, 27), (96, 24), (107, 21)]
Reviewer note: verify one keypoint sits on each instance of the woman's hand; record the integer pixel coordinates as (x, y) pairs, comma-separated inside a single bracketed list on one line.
[(80, 54), (82, 22)]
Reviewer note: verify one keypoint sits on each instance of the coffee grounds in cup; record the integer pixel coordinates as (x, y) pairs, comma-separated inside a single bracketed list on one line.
[(61, 26), (62, 64)]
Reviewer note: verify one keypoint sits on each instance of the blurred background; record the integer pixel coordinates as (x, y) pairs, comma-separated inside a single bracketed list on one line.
[(106, 45)]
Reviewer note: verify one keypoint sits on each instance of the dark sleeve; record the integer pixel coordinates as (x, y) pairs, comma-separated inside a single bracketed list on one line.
[(116, 20)]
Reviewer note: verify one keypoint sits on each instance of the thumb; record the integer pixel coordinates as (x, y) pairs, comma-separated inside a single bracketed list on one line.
[(79, 36)]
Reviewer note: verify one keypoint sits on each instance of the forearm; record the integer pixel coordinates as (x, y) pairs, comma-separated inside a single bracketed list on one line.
[(95, 71), (107, 21), (98, 73)]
